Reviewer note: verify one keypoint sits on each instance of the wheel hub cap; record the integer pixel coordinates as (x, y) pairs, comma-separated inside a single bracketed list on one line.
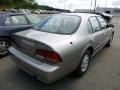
[(3, 47), (85, 63)]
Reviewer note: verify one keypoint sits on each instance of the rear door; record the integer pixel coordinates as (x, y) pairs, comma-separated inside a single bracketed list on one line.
[(16, 23), (107, 31), (97, 33)]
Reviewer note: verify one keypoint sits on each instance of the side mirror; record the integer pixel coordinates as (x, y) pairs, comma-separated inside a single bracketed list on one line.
[(110, 25)]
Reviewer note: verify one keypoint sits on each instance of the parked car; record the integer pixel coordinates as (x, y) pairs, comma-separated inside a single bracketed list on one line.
[(12, 10), (61, 44), (11, 23), (25, 11), (106, 16)]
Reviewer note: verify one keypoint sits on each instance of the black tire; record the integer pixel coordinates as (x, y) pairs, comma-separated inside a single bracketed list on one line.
[(109, 42), (4, 47), (79, 70)]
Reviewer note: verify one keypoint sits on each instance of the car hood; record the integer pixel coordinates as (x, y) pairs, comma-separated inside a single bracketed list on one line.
[(44, 37)]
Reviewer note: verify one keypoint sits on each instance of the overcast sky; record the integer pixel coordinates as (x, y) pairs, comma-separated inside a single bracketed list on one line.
[(76, 4)]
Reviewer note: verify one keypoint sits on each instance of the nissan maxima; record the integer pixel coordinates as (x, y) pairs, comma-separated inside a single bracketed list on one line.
[(60, 44)]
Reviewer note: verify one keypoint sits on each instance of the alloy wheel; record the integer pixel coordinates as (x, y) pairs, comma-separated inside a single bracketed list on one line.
[(4, 47), (85, 63)]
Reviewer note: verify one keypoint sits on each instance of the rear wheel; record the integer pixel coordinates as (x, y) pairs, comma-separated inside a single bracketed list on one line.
[(84, 64), (4, 44)]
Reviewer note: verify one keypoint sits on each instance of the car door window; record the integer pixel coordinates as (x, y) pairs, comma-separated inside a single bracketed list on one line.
[(89, 27), (102, 22), (19, 20), (95, 24), (7, 21)]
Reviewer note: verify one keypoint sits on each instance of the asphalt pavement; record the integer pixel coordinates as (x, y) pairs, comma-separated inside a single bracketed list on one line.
[(103, 74)]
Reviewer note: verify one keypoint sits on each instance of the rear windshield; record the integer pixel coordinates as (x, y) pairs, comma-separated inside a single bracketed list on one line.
[(59, 24)]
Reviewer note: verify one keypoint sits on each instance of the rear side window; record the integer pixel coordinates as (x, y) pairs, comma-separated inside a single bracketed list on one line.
[(7, 21), (18, 20), (102, 22), (59, 24), (95, 24)]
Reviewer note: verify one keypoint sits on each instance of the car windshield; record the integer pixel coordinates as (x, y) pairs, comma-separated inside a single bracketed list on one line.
[(34, 19), (59, 24)]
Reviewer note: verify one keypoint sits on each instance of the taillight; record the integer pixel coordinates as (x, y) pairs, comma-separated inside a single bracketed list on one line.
[(49, 56)]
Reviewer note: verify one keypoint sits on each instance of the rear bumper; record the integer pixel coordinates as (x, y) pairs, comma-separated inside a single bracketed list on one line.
[(45, 72)]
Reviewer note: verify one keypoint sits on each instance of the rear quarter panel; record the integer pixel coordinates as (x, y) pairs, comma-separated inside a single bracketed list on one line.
[(71, 51), (1, 31), (2, 17)]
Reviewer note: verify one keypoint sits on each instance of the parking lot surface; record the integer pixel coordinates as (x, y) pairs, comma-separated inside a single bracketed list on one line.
[(103, 74)]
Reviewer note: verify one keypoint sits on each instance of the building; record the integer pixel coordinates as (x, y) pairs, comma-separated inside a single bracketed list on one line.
[(112, 11), (82, 10)]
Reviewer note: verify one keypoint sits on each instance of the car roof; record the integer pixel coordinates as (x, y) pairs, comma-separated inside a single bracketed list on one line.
[(9, 13), (81, 14)]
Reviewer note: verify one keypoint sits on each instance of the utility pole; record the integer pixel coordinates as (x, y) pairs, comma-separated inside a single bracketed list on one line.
[(44, 2), (91, 6), (105, 6), (95, 6), (64, 4)]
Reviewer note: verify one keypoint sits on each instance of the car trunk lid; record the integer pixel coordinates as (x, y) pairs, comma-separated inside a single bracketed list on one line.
[(31, 40)]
